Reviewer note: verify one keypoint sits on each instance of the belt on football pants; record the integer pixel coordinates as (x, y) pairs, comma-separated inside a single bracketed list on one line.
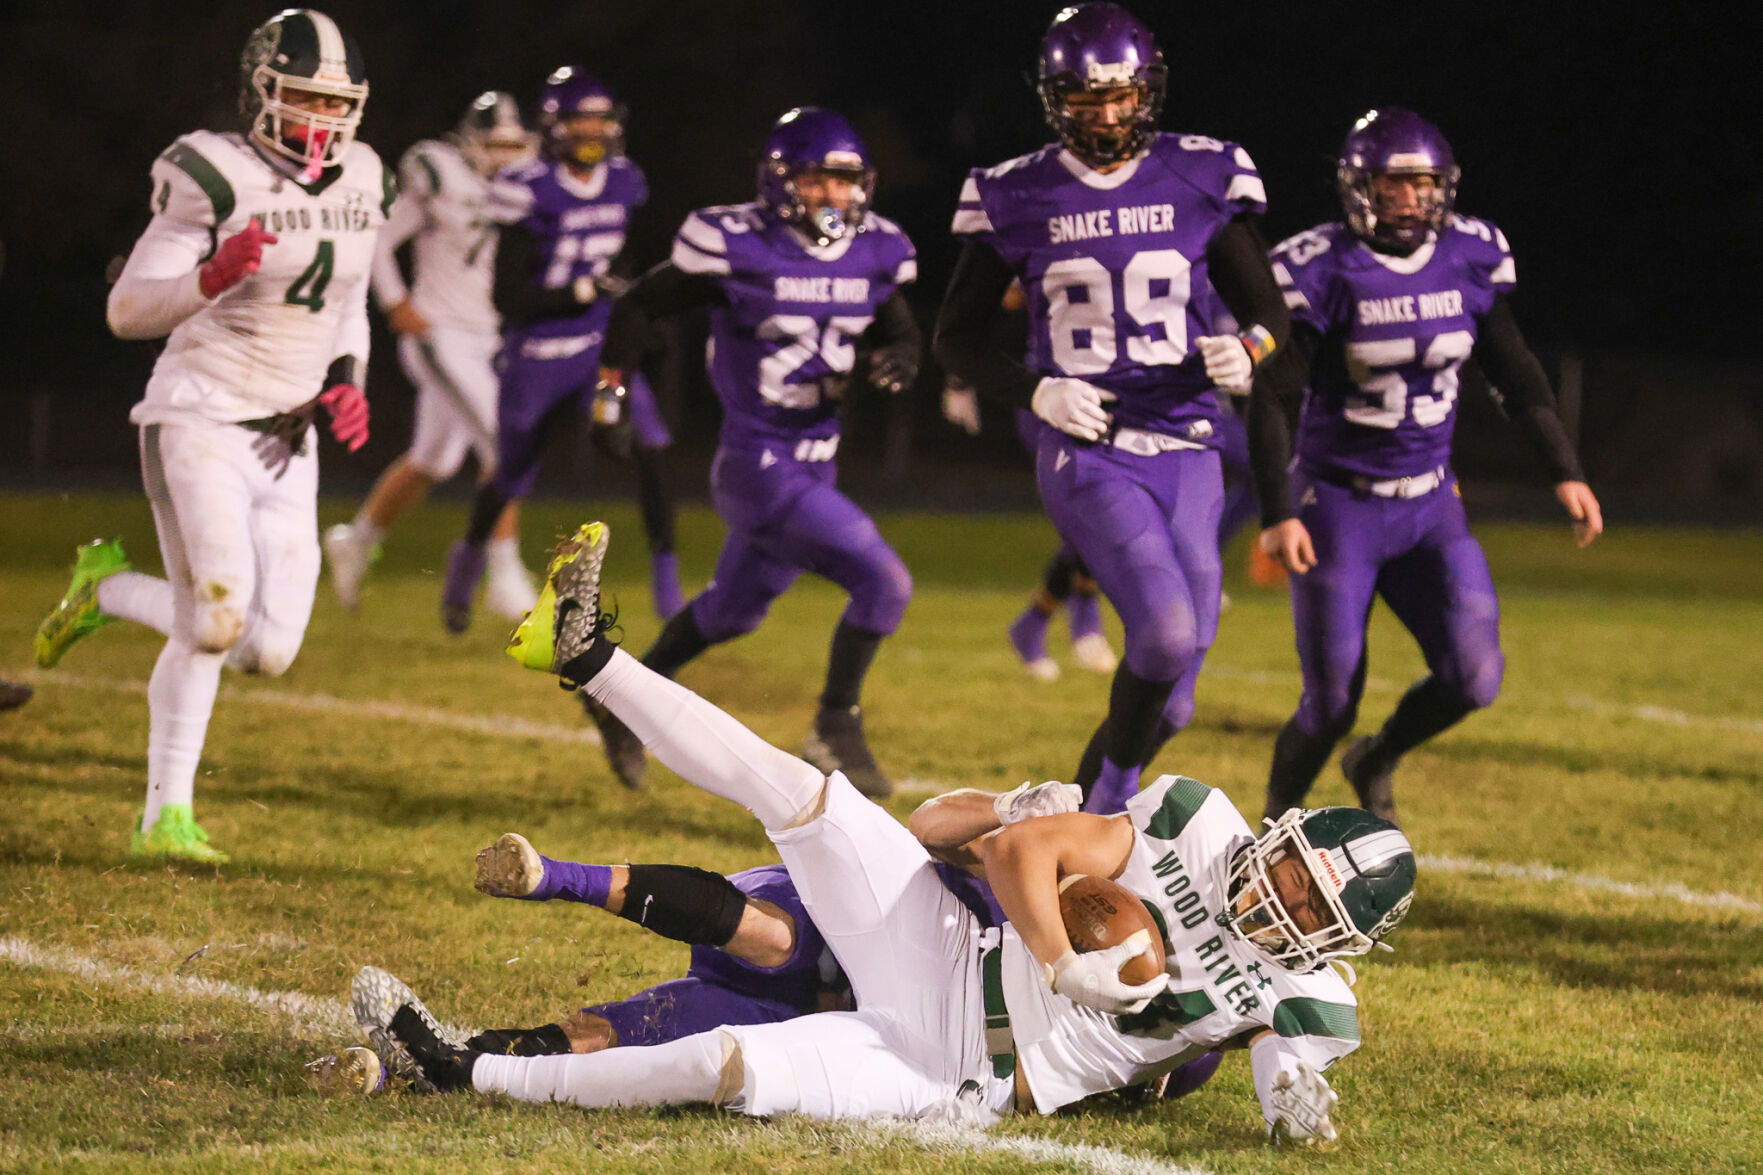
[(1418, 486), (1149, 444), (1000, 1041), (287, 427)]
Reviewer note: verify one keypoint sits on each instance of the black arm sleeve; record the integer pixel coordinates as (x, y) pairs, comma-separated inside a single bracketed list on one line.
[(1274, 400), (963, 340), (519, 297), (1512, 367), (1236, 258), (664, 291), (895, 323)]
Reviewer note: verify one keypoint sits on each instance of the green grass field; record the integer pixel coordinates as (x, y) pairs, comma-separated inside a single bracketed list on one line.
[(1578, 988)]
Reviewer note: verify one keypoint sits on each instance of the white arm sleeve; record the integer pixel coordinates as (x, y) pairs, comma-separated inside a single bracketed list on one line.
[(405, 221), (158, 288)]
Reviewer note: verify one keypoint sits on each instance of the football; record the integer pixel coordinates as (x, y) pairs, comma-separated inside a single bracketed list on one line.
[(1099, 913)]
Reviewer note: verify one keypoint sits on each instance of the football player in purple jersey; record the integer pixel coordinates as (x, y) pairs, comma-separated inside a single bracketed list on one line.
[(795, 282), (1119, 233), (1386, 307), (560, 253)]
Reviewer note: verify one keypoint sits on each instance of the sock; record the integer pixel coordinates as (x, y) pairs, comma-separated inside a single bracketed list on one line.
[(664, 584), (678, 1073), (679, 642), (1056, 578), (505, 553), (145, 599), (655, 498), (1135, 708), (547, 1040), (486, 508), (1428, 708), (1297, 758), (852, 654), (180, 698), (1114, 787), (364, 532), (571, 881), (1083, 611), (704, 746), (1028, 632)]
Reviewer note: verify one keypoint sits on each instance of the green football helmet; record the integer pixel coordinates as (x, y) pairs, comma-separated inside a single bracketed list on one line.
[(1362, 868), (302, 50)]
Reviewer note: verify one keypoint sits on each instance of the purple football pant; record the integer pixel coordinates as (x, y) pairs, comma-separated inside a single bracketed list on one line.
[(784, 517), (683, 1007), (1147, 528), (541, 397), (1419, 556)]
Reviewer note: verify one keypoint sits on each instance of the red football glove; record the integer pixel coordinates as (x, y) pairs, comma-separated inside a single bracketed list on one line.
[(238, 257), (347, 405)]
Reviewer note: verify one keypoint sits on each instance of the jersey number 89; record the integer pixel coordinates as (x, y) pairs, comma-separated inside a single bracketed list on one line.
[(1080, 311)]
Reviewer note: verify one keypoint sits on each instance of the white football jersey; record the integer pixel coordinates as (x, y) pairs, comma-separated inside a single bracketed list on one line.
[(1220, 989), (442, 205), (264, 346)]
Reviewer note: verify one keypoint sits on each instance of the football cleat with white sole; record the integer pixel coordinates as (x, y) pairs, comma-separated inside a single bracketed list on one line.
[(510, 868), (354, 1072), (375, 997), (349, 559), (1091, 651), (625, 753), (77, 614)]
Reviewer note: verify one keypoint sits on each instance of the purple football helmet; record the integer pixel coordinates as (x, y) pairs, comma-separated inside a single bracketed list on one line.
[(1395, 143), (571, 91), (1097, 48), (810, 141)]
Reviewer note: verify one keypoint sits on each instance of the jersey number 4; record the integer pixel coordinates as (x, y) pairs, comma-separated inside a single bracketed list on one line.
[(1154, 291), (308, 289)]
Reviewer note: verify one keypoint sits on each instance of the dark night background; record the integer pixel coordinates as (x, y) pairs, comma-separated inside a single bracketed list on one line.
[(1616, 149)]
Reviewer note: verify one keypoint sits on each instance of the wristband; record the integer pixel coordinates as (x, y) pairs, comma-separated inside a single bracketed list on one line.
[(1259, 340)]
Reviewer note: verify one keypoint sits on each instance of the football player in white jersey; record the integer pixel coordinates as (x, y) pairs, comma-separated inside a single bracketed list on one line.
[(958, 1019), (255, 271), (448, 334)]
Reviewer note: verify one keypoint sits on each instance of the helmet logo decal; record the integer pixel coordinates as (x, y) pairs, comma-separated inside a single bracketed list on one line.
[(1410, 161), (1116, 73), (1331, 872)]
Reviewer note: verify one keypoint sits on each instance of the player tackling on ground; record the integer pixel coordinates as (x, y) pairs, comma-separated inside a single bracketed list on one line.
[(955, 1018), (256, 266)]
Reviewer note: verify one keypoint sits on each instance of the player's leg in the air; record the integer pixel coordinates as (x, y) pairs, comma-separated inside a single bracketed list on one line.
[(1442, 591), (1330, 605), (1146, 527)]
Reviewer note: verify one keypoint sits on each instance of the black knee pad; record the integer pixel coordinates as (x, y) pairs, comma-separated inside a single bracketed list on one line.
[(685, 904)]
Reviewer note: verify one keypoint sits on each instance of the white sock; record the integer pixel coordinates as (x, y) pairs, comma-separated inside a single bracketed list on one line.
[(505, 553), (704, 746), (678, 1073), (364, 532), (180, 698), (145, 599)]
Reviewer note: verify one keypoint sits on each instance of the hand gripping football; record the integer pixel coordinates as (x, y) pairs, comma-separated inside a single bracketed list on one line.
[(1099, 913)]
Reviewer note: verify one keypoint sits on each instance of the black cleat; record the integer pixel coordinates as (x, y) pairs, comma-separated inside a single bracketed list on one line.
[(836, 744), (1375, 789), (624, 750), (13, 694), (445, 1066)]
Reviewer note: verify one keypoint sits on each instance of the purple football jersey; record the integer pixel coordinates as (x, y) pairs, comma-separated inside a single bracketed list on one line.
[(799, 980), (1115, 267), (1403, 326), (782, 347), (580, 226)]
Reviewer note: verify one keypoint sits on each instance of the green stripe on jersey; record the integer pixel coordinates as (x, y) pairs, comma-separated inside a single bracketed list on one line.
[(214, 185), (1180, 803), (428, 167), (1306, 1016), (391, 187)]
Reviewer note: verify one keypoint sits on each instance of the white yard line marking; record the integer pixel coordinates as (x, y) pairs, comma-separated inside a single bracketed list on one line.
[(1663, 715), (1588, 881), (1066, 1156)]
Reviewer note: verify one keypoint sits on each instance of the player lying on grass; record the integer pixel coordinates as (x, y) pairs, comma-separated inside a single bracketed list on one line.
[(957, 1019)]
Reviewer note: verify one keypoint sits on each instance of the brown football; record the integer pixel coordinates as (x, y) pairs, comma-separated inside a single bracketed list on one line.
[(1099, 913)]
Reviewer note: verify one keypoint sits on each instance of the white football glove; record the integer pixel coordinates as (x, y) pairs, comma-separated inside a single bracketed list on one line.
[(1075, 407), (1024, 802), (961, 407), (1227, 362), (1300, 1101), (1093, 979)]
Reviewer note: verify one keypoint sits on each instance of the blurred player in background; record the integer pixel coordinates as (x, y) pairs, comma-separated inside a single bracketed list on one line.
[(1118, 233), (565, 223), (958, 1018), (1386, 307), (447, 340), (793, 281), (256, 265)]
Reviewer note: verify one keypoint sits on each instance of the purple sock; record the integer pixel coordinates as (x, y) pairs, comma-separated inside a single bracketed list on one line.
[(1028, 634), (1084, 614), (1112, 789), (664, 578), (571, 881)]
